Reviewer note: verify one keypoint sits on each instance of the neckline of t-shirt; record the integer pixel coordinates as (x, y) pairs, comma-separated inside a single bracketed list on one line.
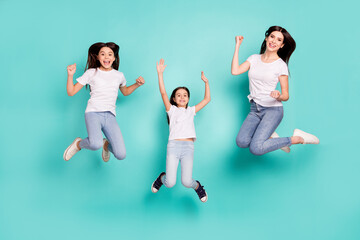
[(105, 71), (269, 62)]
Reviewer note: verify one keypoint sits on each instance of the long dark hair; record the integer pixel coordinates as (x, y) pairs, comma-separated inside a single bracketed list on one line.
[(93, 62), (289, 43), (172, 102), (94, 50)]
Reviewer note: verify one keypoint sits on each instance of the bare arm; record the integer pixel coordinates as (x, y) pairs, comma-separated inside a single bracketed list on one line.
[(160, 67), (284, 84), (70, 87), (237, 69), (207, 97), (126, 91)]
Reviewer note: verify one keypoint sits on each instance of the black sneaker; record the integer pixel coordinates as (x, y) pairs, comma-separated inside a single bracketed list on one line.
[(157, 183), (201, 193)]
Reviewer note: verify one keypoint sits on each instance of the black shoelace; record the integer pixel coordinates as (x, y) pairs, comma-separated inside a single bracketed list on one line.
[(200, 191)]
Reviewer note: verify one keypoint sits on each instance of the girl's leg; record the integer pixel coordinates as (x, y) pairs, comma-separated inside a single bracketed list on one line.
[(93, 125), (261, 144), (187, 159), (247, 130), (172, 162), (112, 132)]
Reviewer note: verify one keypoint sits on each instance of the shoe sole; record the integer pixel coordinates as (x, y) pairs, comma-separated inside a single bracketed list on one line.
[(68, 149), (153, 187), (102, 154)]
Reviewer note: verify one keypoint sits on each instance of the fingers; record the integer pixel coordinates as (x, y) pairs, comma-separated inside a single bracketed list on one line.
[(140, 81)]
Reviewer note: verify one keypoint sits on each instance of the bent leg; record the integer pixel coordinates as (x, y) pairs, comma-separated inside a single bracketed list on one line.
[(261, 142), (172, 162), (247, 130), (113, 134), (93, 125), (187, 160)]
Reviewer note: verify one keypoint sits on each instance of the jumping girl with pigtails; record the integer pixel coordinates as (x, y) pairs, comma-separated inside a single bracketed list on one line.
[(266, 111), (182, 135), (105, 80)]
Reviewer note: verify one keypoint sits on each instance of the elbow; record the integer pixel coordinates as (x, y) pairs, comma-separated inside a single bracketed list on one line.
[(70, 94), (234, 72)]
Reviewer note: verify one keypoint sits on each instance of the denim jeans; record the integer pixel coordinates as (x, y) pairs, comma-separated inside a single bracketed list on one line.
[(106, 122), (257, 128), (182, 151)]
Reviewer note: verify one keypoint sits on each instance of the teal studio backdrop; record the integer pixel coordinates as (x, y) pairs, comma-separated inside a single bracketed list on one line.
[(311, 193)]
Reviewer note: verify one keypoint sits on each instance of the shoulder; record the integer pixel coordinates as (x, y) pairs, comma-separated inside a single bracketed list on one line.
[(253, 58), (90, 70)]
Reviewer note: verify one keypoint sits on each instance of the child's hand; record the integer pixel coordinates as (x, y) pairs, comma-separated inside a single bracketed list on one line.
[(160, 67), (71, 69), (140, 81), (203, 77), (238, 40), (275, 94)]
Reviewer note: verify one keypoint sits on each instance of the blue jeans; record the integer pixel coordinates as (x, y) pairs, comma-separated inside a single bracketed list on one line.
[(182, 151), (257, 128), (106, 122)]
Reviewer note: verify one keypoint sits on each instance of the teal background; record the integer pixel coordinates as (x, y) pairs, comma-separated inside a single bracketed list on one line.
[(311, 193)]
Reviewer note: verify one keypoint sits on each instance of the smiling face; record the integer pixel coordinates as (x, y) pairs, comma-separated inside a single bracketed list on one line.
[(106, 58), (181, 98), (274, 41)]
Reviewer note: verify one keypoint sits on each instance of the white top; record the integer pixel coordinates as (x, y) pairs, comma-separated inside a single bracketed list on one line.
[(104, 87), (263, 78), (181, 122)]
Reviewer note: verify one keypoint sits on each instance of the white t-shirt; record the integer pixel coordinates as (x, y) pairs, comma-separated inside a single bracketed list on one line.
[(104, 89), (181, 122), (263, 78)]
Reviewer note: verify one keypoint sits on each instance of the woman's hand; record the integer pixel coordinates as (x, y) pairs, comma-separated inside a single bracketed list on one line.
[(203, 77), (275, 94), (71, 69), (140, 81), (160, 67), (238, 40)]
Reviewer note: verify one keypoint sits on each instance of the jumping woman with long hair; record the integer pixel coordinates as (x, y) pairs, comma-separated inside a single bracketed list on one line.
[(266, 110), (105, 80)]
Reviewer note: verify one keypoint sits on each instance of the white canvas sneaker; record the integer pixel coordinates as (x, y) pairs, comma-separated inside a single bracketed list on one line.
[(308, 138), (72, 149), (105, 153), (285, 149)]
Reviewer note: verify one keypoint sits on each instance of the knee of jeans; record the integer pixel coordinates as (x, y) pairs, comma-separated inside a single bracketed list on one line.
[(187, 183), (256, 149), (242, 142), (169, 183), (120, 155), (95, 144)]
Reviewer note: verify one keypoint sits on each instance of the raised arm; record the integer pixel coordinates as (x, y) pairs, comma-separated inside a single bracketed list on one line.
[(126, 91), (207, 97), (237, 69), (284, 84), (160, 67), (70, 87)]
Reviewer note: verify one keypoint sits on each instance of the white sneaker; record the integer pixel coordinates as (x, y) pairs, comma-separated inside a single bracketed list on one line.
[(105, 153), (308, 138), (285, 149), (72, 149)]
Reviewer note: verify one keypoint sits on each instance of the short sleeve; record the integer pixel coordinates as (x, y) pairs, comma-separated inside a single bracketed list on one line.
[(284, 70), (85, 78), (251, 59), (171, 110), (192, 109), (122, 80)]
